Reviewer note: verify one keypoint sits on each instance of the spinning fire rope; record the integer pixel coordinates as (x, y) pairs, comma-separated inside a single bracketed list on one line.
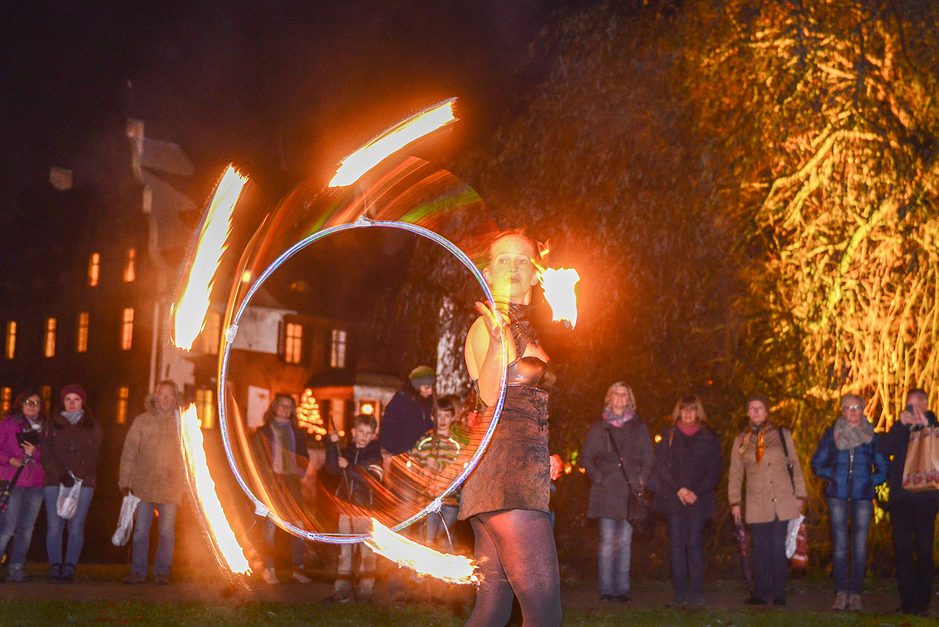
[(190, 311)]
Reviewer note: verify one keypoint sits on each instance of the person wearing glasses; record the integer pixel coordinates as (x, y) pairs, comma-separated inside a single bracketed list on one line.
[(847, 458), (21, 434)]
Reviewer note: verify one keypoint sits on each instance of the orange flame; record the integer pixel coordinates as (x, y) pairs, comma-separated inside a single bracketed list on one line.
[(394, 139), (419, 558), (558, 285), (189, 313), (213, 516)]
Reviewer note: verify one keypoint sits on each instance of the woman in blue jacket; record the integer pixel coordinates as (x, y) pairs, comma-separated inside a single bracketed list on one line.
[(848, 459)]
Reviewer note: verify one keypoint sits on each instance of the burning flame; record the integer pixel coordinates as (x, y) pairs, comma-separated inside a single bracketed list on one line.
[(213, 516), (558, 285), (189, 313), (419, 558), (391, 141)]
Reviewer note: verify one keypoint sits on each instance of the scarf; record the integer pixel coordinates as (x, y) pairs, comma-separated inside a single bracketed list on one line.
[(618, 420), (760, 440), (688, 430), (283, 444), (847, 437), (73, 416), (35, 425)]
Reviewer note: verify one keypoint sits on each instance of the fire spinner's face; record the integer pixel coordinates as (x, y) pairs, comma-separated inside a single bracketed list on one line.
[(511, 273), (362, 435)]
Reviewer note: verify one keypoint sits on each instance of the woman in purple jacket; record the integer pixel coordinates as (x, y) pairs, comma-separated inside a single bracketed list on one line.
[(21, 433)]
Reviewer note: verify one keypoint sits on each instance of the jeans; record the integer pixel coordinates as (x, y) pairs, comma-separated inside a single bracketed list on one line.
[(913, 518), (366, 570), (17, 522), (686, 554), (140, 553), (614, 555), (56, 524), (437, 527), (770, 565), (296, 547), (850, 580)]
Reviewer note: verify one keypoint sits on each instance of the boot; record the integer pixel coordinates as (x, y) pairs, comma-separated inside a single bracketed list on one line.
[(55, 574)]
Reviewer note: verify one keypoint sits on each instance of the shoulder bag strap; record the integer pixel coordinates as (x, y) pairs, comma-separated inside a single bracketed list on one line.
[(782, 438), (622, 467)]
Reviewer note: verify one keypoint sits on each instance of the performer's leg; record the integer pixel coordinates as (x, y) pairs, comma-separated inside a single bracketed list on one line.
[(494, 597)]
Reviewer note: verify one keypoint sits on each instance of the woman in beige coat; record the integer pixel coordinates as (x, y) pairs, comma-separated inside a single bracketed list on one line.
[(764, 457)]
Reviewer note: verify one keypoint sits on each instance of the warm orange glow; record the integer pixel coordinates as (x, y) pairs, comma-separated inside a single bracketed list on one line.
[(394, 139), (190, 312), (213, 516), (419, 558), (558, 285)]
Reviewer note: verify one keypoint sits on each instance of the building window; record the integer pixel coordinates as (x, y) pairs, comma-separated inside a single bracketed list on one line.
[(46, 392), (293, 342), (123, 394), (212, 334), (94, 269), (130, 266), (6, 398), (127, 328), (81, 339), (48, 347), (11, 339), (337, 353), (205, 407)]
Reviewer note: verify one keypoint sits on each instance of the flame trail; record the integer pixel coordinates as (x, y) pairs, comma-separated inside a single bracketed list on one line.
[(558, 285), (189, 313), (391, 141), (419, 558), (213, 516)]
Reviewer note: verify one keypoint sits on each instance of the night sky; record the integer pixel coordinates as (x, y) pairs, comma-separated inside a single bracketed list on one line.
[(284, 89)]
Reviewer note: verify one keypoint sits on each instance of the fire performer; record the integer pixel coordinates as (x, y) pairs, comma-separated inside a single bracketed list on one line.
[(506, 498)]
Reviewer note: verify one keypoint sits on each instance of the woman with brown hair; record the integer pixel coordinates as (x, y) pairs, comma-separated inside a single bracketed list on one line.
[(687, 470)]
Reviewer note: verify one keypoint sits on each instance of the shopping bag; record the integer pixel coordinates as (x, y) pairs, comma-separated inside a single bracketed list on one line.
[(125, 524), (799, 559), (921, 470), (67, 504)]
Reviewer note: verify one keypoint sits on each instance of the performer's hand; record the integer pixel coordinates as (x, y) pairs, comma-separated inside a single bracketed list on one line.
[(343, 462), (495, 321), (735, 512)]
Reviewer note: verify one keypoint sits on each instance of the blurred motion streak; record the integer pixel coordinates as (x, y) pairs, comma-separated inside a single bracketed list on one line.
[(419, 558)]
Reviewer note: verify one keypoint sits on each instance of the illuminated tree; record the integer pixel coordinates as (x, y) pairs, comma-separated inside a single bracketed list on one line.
[(308, 415)]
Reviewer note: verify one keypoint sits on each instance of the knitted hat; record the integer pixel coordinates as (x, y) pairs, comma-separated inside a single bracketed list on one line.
[(422, 375), (74, 388)]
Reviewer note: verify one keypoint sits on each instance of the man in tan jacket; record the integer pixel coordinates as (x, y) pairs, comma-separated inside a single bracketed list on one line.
[(152, 470)]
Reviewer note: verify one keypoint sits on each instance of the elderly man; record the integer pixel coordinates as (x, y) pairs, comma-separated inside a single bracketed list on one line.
[(152, 470)]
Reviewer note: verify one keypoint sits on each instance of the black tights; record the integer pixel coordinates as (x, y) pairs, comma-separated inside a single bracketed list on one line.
[(516, 554)]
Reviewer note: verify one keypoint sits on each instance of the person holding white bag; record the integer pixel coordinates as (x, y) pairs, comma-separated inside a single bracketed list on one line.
[(70, 459)]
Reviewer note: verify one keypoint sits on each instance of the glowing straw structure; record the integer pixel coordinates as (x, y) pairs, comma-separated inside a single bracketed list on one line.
[(391, 141), (558, 285), (189, 313), (419, 558), (213, 516)]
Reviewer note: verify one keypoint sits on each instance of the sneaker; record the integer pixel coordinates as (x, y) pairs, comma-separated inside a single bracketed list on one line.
[(18, 574), (299, 577), (269, 576), (676, 604), (133, 579), (161, 580), (841, 601), (68, 573), (55, 573), (854, 603), (606, 597), (697, 604), (338, 597), (624, 598)]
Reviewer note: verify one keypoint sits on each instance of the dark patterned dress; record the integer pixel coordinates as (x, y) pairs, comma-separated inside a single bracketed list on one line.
[(515, 471)]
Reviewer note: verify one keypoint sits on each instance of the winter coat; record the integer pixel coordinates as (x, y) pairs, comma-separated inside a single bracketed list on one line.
[(74, 448), (264, 439), (32, 475), (851, 473), (406, 419), (692, 462), (609, 493), (893, 445), (770, 494), (363, 471), (151, 461)]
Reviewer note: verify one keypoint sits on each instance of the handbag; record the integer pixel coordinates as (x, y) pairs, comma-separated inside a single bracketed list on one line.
[(921, 470), (797, 539), (66, 505), (638, 512)]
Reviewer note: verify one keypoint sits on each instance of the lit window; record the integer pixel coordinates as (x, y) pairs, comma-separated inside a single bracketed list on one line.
[(211, 335), (130, 266), (6, 398), (293, 342), (123, 393), (48, 348), (81, 341), (127, 328), (94, 268), (205, 407), (11, 339), (46, 392), (337, 354)]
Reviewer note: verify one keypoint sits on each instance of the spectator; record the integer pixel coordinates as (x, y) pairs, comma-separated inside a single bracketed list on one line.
[(618, 447), (408, 415), (434, 453), (21, 436), (912, 514), (764, 457), (848, 459), (69, 453), (360, 466), (283, 444), (687, 470), (152, 470)]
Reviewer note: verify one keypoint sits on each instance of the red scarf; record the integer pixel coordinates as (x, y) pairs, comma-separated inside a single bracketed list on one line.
[(688, 430)]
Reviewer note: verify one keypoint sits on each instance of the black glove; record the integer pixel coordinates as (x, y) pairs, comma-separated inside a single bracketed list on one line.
[(125, 491), (67, 480)]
